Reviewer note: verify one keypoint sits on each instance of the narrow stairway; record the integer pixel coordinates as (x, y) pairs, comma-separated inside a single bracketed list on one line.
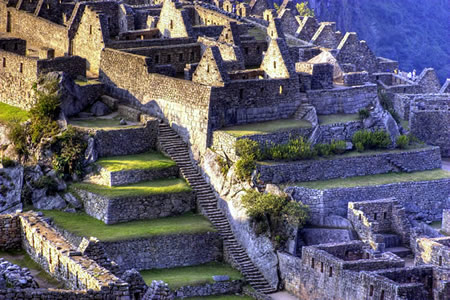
[(172, 144)]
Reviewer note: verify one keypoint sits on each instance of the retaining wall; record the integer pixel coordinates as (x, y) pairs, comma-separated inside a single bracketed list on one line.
[(134, 176), (424, 199), (125, 209), (337, 167)]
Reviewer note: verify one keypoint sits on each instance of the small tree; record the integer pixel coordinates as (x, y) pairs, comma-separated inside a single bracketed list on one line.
[(304, 10)]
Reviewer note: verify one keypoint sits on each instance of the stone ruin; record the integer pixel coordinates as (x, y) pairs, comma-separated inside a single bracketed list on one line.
[(204, 66)]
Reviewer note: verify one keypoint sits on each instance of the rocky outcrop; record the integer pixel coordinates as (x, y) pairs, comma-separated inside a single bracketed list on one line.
[(259, 247), (11, 181)]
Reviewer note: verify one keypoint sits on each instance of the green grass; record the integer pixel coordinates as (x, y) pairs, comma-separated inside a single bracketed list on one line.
[(81, 224), (222, 297), (150, 160), (194, 275), (162, 186), (265, 127), (258, 33), (101, 123), (337, 118), (9, 113), (436, 225), (22, 259), (375, 179)]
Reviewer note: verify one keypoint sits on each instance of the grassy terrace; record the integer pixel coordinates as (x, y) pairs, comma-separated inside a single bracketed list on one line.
[(101, 123), (352, 153), (193, 275), (266, 127), (337, 118), (9, 113), (258, 33), (83, 225), (150, 160), (375, 179), (162, 186)]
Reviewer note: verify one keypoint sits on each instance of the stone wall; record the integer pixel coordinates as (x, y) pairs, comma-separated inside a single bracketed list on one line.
[(115, 210), (10, 232), (183, 103), (133, 176), (348, 100), (433, 252), (446, 221), (209, 289), (57, 257), (131, 140), (430, 121), (336, 167), (45, 33), (424, 199), (152, 252)]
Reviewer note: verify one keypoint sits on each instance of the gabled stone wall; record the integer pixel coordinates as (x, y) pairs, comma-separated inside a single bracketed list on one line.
[(433, 251)]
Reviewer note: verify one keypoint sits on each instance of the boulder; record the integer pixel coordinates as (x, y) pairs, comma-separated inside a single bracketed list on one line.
[(316, 236), (334, 221), (100, 109), (42, 201), (11, 182), (90, 154), (73, 201)]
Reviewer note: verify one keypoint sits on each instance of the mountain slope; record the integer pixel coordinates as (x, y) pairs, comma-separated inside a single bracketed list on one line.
[(416, 33)]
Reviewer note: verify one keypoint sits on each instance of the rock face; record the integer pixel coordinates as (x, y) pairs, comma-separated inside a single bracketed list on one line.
[(315, 236), (11, 181), (74, 99), (259, 247), (382, 119)]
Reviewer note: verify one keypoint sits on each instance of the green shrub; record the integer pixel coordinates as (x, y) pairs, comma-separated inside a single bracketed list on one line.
[(363, 114), (338, 147), (223, 164), (46, 182), (69, 150), (248, 148), (402, 141), (244, 168), (295, 149), (17, 134), (323, 149), (372, 140), (8, 162), (359, 147), (270, 212)]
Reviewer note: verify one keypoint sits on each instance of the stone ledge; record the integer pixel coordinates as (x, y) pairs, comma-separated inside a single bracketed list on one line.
[(116, 210), (342, 167)]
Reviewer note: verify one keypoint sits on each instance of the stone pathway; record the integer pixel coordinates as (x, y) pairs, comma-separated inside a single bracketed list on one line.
[(283, 295), (172, 144)]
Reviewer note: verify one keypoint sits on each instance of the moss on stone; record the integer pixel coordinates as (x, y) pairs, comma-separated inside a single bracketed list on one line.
[(82, 224)]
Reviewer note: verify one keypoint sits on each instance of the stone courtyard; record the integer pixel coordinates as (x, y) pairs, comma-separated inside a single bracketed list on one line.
[(172, 114)]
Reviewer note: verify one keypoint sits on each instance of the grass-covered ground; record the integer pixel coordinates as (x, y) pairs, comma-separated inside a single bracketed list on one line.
[(265, 127), (375, 179), (337, 118), (9, 113), (83, 225), (22, 259), (258, 33), (161, 186), (87, 82), (222, 297), (101, 123), (194, 275), (149, 160)]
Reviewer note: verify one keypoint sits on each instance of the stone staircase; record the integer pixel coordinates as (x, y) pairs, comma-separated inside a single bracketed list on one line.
[(172, 144), (307, 112), (398, 166), (393, 244)]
